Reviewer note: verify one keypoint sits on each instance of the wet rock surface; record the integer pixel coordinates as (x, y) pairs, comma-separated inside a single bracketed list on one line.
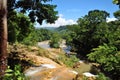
[(44, 65), (50, 72)]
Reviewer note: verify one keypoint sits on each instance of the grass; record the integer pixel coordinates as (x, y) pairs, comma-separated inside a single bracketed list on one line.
[(68, 61)]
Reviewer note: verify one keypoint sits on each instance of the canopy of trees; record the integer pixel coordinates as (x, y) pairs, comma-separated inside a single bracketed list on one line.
[(36, 9), (22, 14), (90, 31), (98, 40), (43, 34)]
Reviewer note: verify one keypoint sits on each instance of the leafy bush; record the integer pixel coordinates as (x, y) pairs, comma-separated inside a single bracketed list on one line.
[(31, 39), (54, 45), (15, 74), (105, 55), (43, 34), (55, 40), (69, 61), (19, 27), (109, 59), (101, 76)]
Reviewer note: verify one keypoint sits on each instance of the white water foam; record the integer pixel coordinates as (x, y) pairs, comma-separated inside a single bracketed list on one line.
[(88, 74), (73, 71), (34, 70), (48, 66)]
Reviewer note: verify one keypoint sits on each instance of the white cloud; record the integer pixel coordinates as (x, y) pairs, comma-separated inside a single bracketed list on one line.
[(61, 21), (111, 19)]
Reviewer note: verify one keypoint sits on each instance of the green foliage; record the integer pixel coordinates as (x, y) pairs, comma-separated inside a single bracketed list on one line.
[(22, 12), (117, 14), (25, 27), (99, 39), (19, 27), (38, 10), (31, 39), (12, 27), (91, 31), (43, 34), (101, 76), (114, 34), (96, 16), (101, 33), (108, 57), (70, 33), (55, 40), (68, 36), (104, 55), (15, 74), (116, 2), (69, 61)]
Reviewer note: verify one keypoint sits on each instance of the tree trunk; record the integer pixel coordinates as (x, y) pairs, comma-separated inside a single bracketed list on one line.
[(3, 37)]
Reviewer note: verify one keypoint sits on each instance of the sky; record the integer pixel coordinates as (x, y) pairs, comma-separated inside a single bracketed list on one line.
[(70, 10)]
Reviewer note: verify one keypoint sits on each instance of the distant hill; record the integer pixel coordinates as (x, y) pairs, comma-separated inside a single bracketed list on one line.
[(59, 29), (49, 28)]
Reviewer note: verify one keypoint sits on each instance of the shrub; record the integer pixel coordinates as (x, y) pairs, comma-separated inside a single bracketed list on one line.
[(15, 74), (55, 40), (109, 59), (101, 76), (69, 61)]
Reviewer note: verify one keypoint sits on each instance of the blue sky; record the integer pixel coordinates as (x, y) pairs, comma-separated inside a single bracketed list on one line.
[(70, 10), (73, 9)]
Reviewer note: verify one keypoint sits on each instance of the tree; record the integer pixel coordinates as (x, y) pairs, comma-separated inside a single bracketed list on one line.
[(36, 9), (117, 2), (114, 35), (117, 14), (55, 40), (109, 59), (3, 37), (19, 27), (43, 34), (91, 32), (97, 16)]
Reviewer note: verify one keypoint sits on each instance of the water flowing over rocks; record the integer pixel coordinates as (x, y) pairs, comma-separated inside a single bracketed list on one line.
[(88, 74), (44, 65), (50, 72)]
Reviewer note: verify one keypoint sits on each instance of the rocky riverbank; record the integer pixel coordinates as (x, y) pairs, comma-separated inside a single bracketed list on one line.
[(45, 64)]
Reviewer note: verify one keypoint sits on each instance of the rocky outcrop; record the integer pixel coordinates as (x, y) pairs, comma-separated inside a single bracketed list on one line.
[(50, 72), (43, 64)]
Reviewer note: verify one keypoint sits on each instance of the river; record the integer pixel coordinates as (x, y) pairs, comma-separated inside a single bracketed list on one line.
[(63, 46), (50, 71)]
